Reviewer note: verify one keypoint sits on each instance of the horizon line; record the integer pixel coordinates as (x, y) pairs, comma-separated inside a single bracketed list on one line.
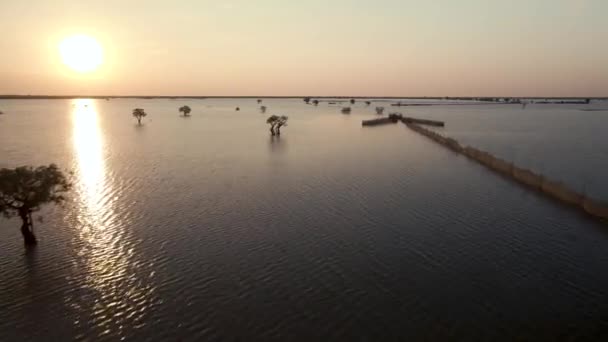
[(62, 97)]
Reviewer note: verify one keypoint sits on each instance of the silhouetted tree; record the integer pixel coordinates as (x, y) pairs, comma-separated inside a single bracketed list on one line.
[(139, 113), (352, 101), (315, 102), (263, 109), (587, 101), (307, 100), (24, 190), (272, 121), (276, 122), (367, 103), (282, 121), (346, 110), (379, 110), (259, 100), (185, 110)]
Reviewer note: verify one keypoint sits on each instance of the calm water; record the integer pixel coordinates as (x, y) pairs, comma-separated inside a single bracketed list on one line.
[(206, 228)]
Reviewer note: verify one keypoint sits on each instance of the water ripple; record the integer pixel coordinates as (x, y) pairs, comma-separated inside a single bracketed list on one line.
[(343, 234)]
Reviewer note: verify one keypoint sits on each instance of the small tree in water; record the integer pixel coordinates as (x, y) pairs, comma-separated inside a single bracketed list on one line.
[(139, 113), (185, 110), (263, 109), (24, 190), (272, 121), (307, 100), (276, 122), (282, 121)]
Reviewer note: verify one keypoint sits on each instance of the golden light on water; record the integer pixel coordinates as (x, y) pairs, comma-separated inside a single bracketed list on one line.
[(88, 145), (105, 243), (81, 53), (95, 210)]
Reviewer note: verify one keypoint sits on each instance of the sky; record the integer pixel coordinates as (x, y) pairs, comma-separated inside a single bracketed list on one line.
[(317, 47)]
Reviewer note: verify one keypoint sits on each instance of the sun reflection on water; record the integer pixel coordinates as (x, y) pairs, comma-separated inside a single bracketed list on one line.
[(88, 144), (106, 245)]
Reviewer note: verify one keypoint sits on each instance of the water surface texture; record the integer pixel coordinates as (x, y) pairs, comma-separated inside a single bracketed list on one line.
[(207, 228)]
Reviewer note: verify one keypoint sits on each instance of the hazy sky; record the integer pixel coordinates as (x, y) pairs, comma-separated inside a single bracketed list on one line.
[(315, 47)]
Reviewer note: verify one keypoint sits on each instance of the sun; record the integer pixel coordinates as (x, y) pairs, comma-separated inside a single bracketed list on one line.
[(81, 53)]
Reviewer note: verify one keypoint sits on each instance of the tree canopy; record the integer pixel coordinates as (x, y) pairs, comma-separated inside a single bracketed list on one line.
[(25, 189), (276, 122), (186, 110), (28, 187), (139, 113)]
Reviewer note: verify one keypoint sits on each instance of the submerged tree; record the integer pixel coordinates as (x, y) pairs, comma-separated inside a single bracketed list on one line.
[(315, 102), (139, 113), (346, 110), (379, 110), (282, 121), (276, 122), (307, 100), (352, 101), (263, 109), (259, 100), (272, 121), (367, 103), (25, 189), (185, 110)]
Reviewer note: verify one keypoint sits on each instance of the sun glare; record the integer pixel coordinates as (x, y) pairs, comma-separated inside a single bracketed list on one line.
[(81, 53)]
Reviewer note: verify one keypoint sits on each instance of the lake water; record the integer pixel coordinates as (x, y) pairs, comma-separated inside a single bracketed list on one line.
[(206, 228)]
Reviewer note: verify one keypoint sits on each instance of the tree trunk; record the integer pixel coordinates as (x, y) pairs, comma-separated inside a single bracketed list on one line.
[(139, 121), (27, 228), (279, 130), (272, 130)]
